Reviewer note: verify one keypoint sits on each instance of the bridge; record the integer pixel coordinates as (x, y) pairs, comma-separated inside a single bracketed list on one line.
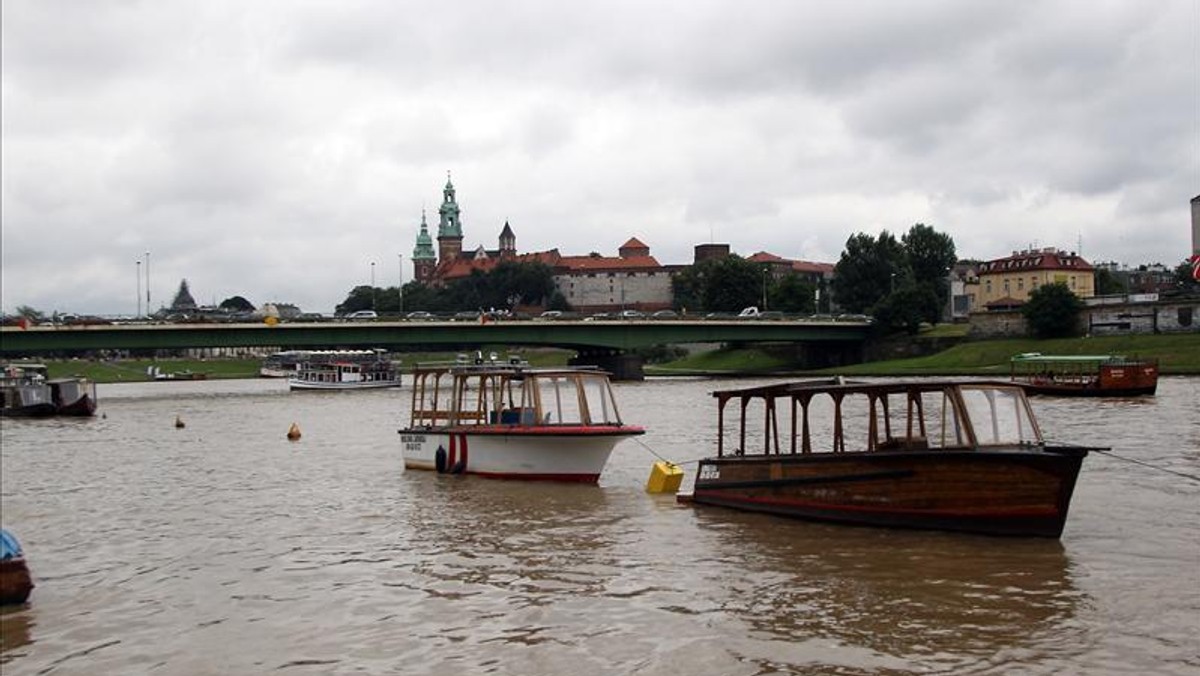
[(606, 343)]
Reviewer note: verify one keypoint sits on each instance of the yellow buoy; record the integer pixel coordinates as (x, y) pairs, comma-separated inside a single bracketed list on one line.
[(665, 477), (179, 423), (293, 432)]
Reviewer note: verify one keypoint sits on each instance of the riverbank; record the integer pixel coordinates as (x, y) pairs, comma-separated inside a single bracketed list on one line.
[(139, 370), (1177, 354)]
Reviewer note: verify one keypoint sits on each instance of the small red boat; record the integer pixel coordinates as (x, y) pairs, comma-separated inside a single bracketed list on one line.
[(955, 455), (1102, 375)]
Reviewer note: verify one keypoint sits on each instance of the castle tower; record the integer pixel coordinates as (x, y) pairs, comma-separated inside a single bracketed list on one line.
[(450, 235), (508, 243), (423, 257)]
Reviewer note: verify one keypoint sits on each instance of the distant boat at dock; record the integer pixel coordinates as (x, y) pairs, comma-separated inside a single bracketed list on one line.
[(26, 391), (328, 376), (1101, 375)]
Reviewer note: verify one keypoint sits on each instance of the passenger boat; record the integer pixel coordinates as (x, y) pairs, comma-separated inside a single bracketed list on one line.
[(335, 375), (287, 363), (953, 455), (1102, 375), (25, 390), (15, 580), (511, 421)]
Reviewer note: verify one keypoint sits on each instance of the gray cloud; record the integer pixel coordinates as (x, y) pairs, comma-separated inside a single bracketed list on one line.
[(276, 150)]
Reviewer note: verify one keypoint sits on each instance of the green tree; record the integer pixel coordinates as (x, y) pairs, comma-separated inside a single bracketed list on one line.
[(30, 313), (929, 255), (236, 304), (793, 293), (359, 299), (1052, 311), (869, 269), (906, 308), (1109, 284), (733, 283)]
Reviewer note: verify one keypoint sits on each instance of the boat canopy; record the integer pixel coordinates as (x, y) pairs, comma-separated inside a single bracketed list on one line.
[(500, 394), (823, 416)]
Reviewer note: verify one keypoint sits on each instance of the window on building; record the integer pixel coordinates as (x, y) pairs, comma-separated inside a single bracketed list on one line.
[(1020, 284), (1006, 286), (988, 284)]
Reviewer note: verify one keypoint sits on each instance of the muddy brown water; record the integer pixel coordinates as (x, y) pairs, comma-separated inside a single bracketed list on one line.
[(223, 548)]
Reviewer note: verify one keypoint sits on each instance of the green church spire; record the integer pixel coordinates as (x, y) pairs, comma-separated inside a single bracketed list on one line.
[(449, 224), (424, 249)]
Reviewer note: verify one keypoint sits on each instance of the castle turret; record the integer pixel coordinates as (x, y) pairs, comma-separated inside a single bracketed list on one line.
[(424, 258), (450, 235), (508, 242)]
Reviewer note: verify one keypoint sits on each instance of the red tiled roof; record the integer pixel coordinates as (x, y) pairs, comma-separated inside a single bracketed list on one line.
[(634, 243), (809, 266), (1036, 260), (764, 257), (576, 263)]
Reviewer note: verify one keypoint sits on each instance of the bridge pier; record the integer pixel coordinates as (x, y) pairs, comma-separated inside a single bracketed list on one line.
[(622, 365)]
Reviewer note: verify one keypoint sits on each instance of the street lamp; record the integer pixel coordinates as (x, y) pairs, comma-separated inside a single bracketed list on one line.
[(139, 290), (147, 282), (400, 290), (764, 278), (372, 285)]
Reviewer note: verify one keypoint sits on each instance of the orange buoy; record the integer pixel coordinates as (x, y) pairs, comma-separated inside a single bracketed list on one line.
[(179, 423), (293, 432)]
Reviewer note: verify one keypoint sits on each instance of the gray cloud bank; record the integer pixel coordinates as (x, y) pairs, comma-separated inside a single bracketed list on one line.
[(276, 149)]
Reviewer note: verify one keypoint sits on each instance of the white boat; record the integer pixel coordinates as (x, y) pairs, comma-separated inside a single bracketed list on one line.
[(511, 421), (346, 376), (287, 364)]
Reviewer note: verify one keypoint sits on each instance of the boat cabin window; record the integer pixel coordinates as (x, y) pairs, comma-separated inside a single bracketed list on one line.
[(999, 416), (571, 399)]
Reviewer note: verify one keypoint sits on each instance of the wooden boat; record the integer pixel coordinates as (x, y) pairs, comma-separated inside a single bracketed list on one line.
[(955, 455), (15, 580), (26, 391), (1084, 375), (327, 376), (510, 421)]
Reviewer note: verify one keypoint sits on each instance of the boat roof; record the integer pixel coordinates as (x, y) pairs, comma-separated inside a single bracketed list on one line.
[(1039, 357), (490, 368), (840, 385)]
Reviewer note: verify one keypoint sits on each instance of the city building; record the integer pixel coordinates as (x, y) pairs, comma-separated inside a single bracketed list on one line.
[(633, 279), (1005, 283)]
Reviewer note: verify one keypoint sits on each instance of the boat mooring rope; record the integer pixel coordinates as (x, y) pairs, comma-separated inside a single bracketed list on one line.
[(1185, 475), (655, 454)]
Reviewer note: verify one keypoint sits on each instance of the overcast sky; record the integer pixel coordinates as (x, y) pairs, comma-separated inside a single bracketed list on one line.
[(274, 150)]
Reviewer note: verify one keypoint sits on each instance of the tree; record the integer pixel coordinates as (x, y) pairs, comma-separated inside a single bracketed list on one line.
[(869, 269), (906, 308), (1052, 311), (1108, 284), (929, 255), (793, 293), (236, 304), (30, 313), (732, 284)]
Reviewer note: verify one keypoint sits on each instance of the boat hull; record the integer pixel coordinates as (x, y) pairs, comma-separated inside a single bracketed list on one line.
[(338, 387), (549, 453), (1003, 492), (74, 396), (15, 581), (1094, 391)]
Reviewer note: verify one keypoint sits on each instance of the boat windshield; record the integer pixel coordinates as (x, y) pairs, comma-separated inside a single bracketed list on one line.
[(573, 399), (999, 416)]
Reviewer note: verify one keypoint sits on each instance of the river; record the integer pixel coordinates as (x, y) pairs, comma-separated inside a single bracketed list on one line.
[(223, 548)]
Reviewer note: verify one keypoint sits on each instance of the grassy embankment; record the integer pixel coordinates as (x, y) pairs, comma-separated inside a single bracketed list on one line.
[(1177, 354), (134, 370)]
